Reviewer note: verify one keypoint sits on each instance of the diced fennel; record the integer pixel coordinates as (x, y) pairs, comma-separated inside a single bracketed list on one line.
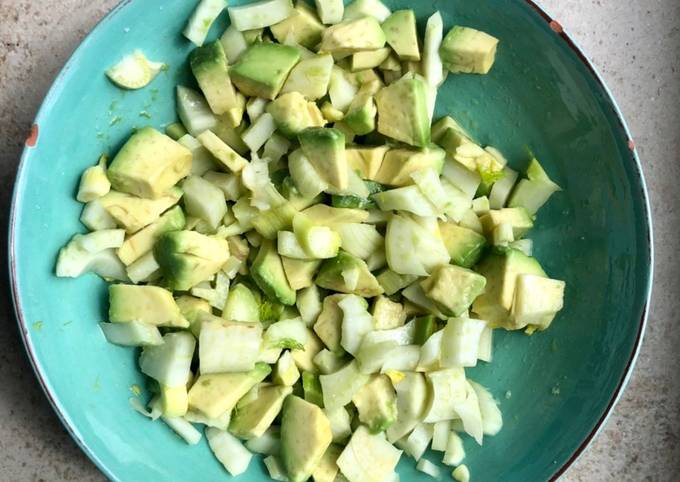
[(259, 132), (455, 453), (460, 342), (134, 71), (449, 390), (469, 412), (228, 450), (414, 245), (402, 358), (193, 111), (306, 179), (234, 44), (133, 333), (340, 90), (501, 189), (290, 334), (204, 200), (356, 322), (485, 349), (461, 177), (461, 473), (319, 242), (427, 467), (368, 457), (202, 161), (266, 444), (361, 240), (275, 468), (308, 303), (410, 199), (372, 356), (432, 62), (417, 442), (339, 387), (402, 335), (260, 14), (340, 424), (440, 435), (202, 19), (492, 419), (361, 8), (169, 363), (221, 422), (95, 217), (228, 347)]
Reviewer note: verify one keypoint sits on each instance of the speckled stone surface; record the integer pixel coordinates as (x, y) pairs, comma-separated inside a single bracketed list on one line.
[(636, 45)]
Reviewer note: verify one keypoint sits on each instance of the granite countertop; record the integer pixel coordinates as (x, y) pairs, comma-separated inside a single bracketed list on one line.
[(634, 43)]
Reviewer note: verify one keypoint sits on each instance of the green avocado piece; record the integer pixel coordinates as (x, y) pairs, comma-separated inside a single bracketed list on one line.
[(134, 213), (464, 245), (214, 394), (403, 113), (251, 418), (328, 325), (209, 66), (352, 36), (303, 27), (447, 133), (328, 468), (300, 272), (186, 258), (148, 304), (398, 164), (468, 50), (369, 59), (425, 327), (325, 149), (518, 218), (304, 359), (366, 160), (310, 77), (305, 437), (175, 131), (329, 216), (293, 113), (143, 240), (149, 164), (501, 269), (262, 69), (312, 388), (361, 113), (387, 314), (267, 271), (193, 309), (453, 288), (330, 276), (376, 403), (401, 34)]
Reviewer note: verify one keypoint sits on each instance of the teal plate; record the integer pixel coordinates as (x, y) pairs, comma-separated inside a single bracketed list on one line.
[(555, 388)]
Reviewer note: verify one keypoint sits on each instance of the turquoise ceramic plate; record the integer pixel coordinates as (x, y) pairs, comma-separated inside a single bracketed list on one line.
[(555, 388)]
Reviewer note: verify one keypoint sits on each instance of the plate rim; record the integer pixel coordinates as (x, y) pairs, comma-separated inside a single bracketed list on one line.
[(609, 98)]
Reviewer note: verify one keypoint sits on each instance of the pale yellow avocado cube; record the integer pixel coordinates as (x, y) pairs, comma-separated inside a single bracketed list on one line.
[(174, 401), (149, 164), (537, 301), (147, 304)]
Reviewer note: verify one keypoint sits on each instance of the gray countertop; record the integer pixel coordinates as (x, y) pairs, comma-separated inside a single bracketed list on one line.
[(634, 43)]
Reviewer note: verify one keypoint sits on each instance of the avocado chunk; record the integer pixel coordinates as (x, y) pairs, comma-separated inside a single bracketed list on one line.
[(329, 216), (252, 418), (186, 258), (352, 36), (361, 113), (366, 160), (304, 359), (403, 113), (331, 276), (453, 288), (193, 309), (468, 50), (537, 301), (377, 404), (134, 213), (305, 437), (222, 151), (214, 394), (262, 69), (300, 272), (286, 372), (518, 218), (400, 32), (310, 77), (325, 149), (328, 325), (143, 240), (501, 269), (398, 164), (293, 113), (209, 66), (464, 245), (147, 304), (267, 271), (149, 164), (447, 133), (327, 469), (303, 27), (369, 59), (387, 314)]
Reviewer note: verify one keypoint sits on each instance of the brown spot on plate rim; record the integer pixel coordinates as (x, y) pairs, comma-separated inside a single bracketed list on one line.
[(32, 138)]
